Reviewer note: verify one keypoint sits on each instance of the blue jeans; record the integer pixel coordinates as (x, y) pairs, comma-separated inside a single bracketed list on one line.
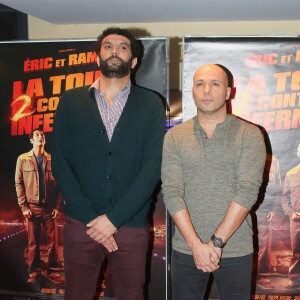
[(233, 279)]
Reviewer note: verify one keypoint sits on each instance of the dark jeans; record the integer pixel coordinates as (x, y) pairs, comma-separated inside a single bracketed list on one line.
[(34, 225), (84, 257), (233, 279)]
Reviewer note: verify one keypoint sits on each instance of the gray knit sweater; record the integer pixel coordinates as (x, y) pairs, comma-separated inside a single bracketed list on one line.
[(205, 175)]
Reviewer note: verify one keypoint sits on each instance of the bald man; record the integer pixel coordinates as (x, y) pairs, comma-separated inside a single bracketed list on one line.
[(211, 174)]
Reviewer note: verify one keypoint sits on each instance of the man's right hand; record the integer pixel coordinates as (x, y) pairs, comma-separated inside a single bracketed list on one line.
[(205, 257), (27, 213)]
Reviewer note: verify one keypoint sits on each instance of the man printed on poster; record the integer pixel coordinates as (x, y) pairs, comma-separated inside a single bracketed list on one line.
[(291, 205), (40, 202), (267, 211)]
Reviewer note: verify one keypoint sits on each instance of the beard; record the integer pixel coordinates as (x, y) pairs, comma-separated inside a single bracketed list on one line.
[(115, 71)]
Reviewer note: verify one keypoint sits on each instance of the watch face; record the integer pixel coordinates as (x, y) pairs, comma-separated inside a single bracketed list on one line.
[(218, 242)]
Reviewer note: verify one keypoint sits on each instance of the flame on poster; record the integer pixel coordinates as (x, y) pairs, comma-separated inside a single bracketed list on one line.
[(33, 107), (270, 100)]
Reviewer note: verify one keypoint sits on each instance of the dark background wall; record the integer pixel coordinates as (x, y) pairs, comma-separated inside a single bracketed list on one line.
[(13, 24)]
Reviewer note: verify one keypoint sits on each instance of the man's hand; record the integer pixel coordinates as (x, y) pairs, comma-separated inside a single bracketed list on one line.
[(101, 230), (296, 216), (218, 251), (27, 213), (270, 216), (110, 244), (205, 257), (55, 213)]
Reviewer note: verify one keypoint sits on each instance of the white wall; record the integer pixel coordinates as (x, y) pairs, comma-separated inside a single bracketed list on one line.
[(41, 30)]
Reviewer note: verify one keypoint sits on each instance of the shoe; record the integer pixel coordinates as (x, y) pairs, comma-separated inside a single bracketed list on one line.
[(265, 284), (33, 279), (55, 278), (292, 286), (58, 280)]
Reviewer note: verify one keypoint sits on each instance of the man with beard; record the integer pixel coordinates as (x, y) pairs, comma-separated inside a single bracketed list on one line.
[(107, 143)]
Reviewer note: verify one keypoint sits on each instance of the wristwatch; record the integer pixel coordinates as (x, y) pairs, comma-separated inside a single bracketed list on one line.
[(217, 242)]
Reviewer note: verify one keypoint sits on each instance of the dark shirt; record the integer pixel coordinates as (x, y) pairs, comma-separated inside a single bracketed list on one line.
[(97, 176), (41, 170)]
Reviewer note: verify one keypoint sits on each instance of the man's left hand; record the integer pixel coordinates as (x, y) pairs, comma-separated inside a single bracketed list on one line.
[(101, 229), (218, 251), (55, 213), (270, 216)]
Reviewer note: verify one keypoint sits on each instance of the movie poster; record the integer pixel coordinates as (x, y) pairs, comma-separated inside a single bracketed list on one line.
[(33, 76), (266, 73)]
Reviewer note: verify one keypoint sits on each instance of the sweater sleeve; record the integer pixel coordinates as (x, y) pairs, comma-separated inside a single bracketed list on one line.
[(19, 183), (62, 158), (142, 187), (172, 176), (250, 166)]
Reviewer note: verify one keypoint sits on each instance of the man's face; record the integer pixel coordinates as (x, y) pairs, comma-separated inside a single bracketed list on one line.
[(38, 138), (210, 89), (115, 58)]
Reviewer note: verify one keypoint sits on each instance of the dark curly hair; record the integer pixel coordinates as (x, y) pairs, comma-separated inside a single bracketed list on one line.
[(136, 50), (40, 128)]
